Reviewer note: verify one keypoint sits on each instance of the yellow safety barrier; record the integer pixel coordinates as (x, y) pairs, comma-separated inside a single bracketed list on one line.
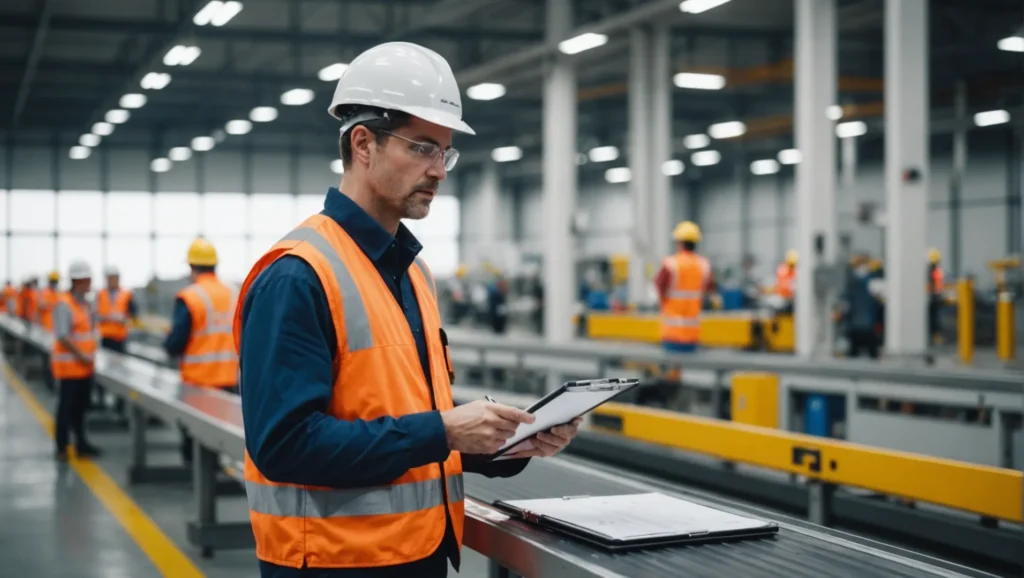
[(1006, 339), (984, 490), (755, 399), (965, 319), (722, 330)]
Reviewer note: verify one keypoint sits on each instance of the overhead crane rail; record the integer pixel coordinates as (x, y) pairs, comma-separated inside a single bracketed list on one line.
[(214, 419)]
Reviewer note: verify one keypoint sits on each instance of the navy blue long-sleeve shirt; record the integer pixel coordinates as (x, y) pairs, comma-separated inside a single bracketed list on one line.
[(181, 330), (287, 381)]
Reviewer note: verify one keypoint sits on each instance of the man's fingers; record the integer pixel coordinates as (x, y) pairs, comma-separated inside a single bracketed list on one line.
[(512, 413)]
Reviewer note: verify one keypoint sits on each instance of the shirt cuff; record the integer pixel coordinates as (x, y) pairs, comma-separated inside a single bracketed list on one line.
[(429, 427)]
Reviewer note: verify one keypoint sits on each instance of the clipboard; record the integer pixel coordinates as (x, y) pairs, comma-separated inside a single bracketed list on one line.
[(561, 406), (637, 521)]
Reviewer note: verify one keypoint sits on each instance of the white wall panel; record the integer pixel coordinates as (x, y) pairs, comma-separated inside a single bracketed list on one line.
[(31, 168), (80, 174), (180, 179), (315, 175), (222, 171), (129, 170), (269, 173)]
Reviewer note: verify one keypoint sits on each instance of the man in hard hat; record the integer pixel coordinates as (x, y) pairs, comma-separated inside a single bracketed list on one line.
[(345, 373), (200, 335), (936, 285), (48, 300), (10, 299), (859, 306), (785, 276), (72, 360), (116, 309), (682, 282), (28, 301)]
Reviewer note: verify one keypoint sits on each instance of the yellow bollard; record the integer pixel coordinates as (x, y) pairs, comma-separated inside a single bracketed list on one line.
[(965, 319), (1005, 330)]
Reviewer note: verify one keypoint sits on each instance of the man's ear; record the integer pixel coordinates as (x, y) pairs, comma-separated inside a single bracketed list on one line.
[(362, 139)]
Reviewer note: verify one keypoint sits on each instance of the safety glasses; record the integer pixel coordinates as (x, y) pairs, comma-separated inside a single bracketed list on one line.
[(429, 151)]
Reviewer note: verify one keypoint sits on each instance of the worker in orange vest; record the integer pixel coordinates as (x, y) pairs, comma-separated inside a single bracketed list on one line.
[(785, 276), (72, 360), (115, 308), (28, 301), (48, 300), (345, 373), (200, 335), (682, 282), (936, 285), (9, 303)]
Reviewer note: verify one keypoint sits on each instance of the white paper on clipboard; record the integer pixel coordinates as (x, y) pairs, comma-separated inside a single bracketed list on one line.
[(560, 410)]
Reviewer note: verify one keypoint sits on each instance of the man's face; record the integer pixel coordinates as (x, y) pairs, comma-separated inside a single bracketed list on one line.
[(113, 281), (405, 175), (81, 286)]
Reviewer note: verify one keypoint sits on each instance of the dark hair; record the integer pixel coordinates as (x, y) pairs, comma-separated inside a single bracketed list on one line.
[(200, 269), (689, 245), (378, 126)]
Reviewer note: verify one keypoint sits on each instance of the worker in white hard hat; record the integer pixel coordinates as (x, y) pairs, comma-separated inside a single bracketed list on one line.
[(72, 360), (116, 309), (344, 370)]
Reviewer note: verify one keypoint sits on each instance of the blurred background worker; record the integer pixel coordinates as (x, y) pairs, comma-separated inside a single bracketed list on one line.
[(10, 299), (28, 301), (72, 360), (785, 276), (681, 283), (859, 310), (48, 300), (936, 285), (201, 330), (458, 295), (115, 308)]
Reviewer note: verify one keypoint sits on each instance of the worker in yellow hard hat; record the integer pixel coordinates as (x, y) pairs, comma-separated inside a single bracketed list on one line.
[(458, 295), (201, 335), (785, 275), (48, 299), (936, 285), (681, 283)]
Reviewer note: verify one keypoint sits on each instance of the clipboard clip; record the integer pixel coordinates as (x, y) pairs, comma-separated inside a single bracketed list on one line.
[(601, 384), (574, 497)]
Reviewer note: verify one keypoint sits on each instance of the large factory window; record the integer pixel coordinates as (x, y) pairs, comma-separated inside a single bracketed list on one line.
[(79, 212), (89, 248), (170, 254), (271, 214), (439, 233), (177, 214), (32, 211), (30, 255), (307, 205), (133, 256), (231, 254), (225, 214), (129, 213)]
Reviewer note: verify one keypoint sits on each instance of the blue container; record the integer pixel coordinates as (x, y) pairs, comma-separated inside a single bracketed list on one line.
[(732, 299), (817, 415)]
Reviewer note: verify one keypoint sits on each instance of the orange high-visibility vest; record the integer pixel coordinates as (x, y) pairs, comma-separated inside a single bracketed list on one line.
[(680, 309), (28, 304), (785, 275), (9, 304), (209, 359), (47, 301), (63, 363), (377, 373), (937, 283), (113, 314)]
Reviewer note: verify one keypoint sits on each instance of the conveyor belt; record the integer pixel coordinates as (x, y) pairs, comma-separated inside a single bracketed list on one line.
[(800, 549)]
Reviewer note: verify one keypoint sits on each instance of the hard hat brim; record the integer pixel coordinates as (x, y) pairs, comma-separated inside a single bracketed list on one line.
[(439, 118)]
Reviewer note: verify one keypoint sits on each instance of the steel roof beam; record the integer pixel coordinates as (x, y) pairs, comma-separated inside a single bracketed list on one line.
[(38, 41)]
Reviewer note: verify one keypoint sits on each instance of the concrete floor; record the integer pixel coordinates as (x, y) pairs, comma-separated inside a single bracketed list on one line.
[(52, 524)]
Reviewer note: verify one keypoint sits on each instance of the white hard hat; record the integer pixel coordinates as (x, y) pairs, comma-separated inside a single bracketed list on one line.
[(401, 76), (111, 271), (79, 269)]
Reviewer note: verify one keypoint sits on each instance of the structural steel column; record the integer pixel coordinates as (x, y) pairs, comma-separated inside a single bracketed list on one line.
[(816, 173), (487, 242), (955, 247), (661, 209), (906, 174), (560, 178), (639, 159)]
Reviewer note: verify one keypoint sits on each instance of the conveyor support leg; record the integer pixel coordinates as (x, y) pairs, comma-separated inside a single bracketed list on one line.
[(206, 532), (496, 570), (819, 502), (138, 471)]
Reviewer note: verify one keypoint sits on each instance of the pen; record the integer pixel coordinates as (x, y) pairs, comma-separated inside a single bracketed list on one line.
[(490, 399)]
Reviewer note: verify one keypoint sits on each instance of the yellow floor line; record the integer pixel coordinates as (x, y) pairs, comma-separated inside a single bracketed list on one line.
[(162, 551)]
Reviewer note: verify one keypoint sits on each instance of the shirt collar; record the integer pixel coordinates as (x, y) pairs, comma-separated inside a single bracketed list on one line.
[(378, 244)]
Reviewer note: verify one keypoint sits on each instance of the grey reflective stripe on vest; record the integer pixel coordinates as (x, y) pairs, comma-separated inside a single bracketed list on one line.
[(680, 321), (114, 318), (70, 357), (298, 502), (683, 294), (212, 327), (357, 322), (210, 357), (426, 274)]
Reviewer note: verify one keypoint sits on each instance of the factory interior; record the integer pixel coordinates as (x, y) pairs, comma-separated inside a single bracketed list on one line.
[(787, 232)]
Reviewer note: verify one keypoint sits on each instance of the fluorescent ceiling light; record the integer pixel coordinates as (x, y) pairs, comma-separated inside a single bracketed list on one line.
[(102, 128), (696, 141), (132, 100), (1012, 44), (238, 127), (603, 154), (89, 140), (78, 153), (581, 159), (116, 116), (296, 97), (181, 55), (506, 154), (851, 129), (263, 114), (584, 41), (202, 143), (217, 13), (698, 6), (705, 158), (699, 81), (486, 91), (992, 117), (672, 168), (790, 156), (764, 167), (160, 165), (731, 129), (618, 175), (179, 154), (155, 80), (332, 72), (834, 112), (337, 167)]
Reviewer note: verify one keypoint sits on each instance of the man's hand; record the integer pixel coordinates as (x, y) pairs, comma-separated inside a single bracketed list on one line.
[(482, 427), (548, 443)]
